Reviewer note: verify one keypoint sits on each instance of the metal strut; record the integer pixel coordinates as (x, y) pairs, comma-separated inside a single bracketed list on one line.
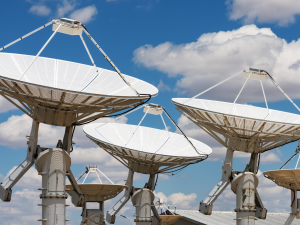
[(21, 38), (40, 51), (15, 176), (109, 60)]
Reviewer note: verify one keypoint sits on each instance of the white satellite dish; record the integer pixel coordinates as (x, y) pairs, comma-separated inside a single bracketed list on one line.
[(290, 179), (95, 192), (62, 93), (242, 128), (148, 151)]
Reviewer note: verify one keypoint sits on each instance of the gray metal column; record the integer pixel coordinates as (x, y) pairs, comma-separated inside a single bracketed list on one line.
[(52, 165), (244, 186)]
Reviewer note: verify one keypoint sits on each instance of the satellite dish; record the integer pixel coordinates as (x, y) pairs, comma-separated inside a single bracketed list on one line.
[(51, 90), (245, 125), (243, 128), (95, 192), (67, 94), (148, 151), (290, 179)]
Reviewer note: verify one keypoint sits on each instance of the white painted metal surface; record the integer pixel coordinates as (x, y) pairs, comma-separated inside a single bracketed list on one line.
[(148, 144), (57, 74), (265, 128), (50, 91)]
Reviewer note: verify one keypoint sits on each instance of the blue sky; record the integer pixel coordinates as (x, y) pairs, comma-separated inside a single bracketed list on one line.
[(181, 47)]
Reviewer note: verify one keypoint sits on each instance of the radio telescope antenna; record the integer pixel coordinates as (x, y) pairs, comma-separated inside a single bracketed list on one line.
[(148, 151), (95, 193), (62, 93), (242, 128), (290, 179)]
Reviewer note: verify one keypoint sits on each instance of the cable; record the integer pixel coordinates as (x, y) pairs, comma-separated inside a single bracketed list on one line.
[(80, 124), (181, 168)]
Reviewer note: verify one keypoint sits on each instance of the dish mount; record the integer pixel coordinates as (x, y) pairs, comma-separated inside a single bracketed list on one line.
[(242, 128), (147, 151), (32, 84)]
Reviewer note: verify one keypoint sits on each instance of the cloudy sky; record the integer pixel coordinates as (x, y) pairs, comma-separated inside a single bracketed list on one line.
[(182, 48)]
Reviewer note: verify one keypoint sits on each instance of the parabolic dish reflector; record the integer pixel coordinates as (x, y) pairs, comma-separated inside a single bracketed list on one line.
[(288, 178), (52, 85), (98, 192), (148, 147), (249, 128)]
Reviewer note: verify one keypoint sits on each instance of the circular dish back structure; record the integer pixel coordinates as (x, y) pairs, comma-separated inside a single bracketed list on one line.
[(148, 151), (288, 178), (243, 128), (62, 93), (95, 192), (51, 90)]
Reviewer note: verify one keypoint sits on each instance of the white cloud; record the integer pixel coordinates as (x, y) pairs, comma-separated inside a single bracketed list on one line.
[(270, 157), (215, 56), (40, 10), (181, 200), (163, 87), (14, 130), (5, 105), (85, 14), (266, 11), (64, 8)]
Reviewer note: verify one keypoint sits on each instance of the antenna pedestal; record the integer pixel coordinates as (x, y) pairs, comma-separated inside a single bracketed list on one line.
[(142, 200), (206, 206), (93, 216), (52, 165), (244, 186)]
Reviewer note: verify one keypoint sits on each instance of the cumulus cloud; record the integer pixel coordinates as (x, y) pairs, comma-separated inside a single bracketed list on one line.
[(65, 7), (40, 10), (85, 14), (5, 105), (179, 199), (215, 56), (14, 130), (163, 87), (267, 11)]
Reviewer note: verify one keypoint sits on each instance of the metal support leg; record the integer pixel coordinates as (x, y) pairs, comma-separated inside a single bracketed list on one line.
[(294, 207), (111, 214), (207, 205), (67, 141), (14, 177), (261, 211), (77, 195)]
